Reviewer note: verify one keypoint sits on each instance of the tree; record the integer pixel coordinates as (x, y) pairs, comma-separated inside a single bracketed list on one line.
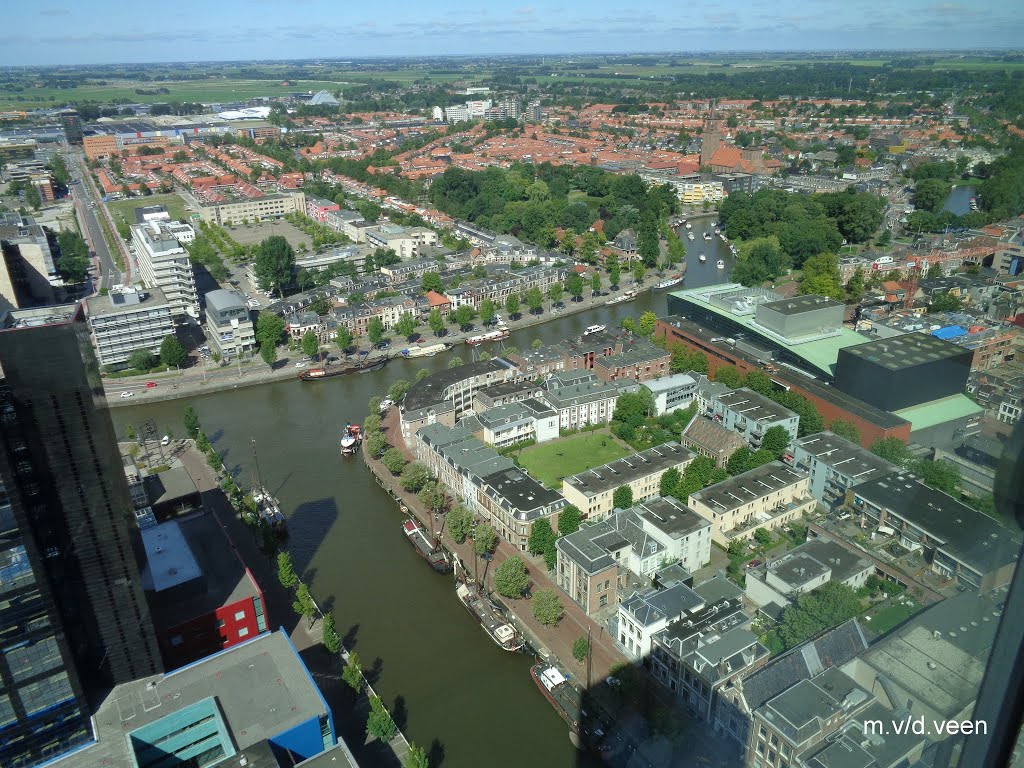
[(547, 607), (614, 270), (398, 389), (534, 299), (855, 286), (422, 373), (741, 460), (191, 420), (485, 539), (555, 292), (945, 302), (775, 441), (274, 263), (623, 497), (893, 450), (379, 724), (332, 642), (728, 375), (639, 270), (352, 674), (464, 315), (814, 612), (595, 282), (487, 311), (303, 604), (460, 523), (414, 477), (286, 570), (645, 326), (455, 362), (930, 195), (821, 277), (669, 481), (141, 360), (406, 325), (511, 577), (432, 496), (376, 443), (32, 197), (536, 344), (343, 338), (394, 460), (580, 649), (540, 535), (310, 344), (268, 332), (416, 757), (938, 474), (574, 286), (845, 429), (568, 520), (512, 306), (762, 537), (432, 282), (375, 330), (436, 321)]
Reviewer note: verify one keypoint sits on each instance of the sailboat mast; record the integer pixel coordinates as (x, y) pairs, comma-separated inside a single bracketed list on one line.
[(256, 462)]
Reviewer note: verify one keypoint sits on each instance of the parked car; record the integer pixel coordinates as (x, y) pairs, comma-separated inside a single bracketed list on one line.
[(753, 564), (150, 384), (300, 364), (166, 440), (127, 394)]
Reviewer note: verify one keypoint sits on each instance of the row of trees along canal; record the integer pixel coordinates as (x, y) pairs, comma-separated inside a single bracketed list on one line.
[(379, 724)]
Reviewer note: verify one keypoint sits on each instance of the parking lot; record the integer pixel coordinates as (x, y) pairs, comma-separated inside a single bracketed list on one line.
[(247, 234)]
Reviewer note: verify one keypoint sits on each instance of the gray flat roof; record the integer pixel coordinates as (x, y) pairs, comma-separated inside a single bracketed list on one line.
[(906, 351), (430, 391), (799, 304), (848, 459), (736, 491), (654, 605), (108, 304), (798, 568), (221, 299), (523, 494), (268, 664), (169, 485), (754, 406), (629, 468), (670, 516), (969, 536), (668, 383)]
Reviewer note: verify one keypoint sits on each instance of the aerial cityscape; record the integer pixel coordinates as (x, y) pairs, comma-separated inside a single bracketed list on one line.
[(559, 386)]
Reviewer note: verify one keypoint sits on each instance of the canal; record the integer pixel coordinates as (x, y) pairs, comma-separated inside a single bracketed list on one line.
[(478, 702), (959, 200)]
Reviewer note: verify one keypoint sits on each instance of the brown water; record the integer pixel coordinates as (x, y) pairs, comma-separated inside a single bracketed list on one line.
[(479, 702)]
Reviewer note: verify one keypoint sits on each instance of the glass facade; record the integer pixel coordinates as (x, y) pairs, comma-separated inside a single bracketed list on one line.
[(73, 619)]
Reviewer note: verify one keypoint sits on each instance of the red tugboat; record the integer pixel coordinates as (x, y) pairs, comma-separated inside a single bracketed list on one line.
[(435, 556)]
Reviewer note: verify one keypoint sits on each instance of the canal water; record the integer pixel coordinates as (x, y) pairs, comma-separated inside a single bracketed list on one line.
[(959, 200), (455, 685)]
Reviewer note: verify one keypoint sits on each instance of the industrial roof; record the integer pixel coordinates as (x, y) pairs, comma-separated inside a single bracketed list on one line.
[(939, 411), (798, 304), (907, 351), (821, 353)]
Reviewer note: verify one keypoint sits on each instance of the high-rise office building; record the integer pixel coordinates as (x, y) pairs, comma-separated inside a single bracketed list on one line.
[(73, 618), (72, 126)]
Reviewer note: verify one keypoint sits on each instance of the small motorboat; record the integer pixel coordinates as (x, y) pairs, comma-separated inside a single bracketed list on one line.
[(720, 264), (702, 258)]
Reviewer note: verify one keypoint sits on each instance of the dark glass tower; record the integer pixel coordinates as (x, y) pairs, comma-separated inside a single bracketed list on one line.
[(73, 618), (72, 126)]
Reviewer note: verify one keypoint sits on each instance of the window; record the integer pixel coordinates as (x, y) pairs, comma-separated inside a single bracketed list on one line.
[(239, 615), (243, 632)]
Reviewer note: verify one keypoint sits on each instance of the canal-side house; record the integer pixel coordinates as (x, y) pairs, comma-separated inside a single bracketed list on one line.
[(581, 399)]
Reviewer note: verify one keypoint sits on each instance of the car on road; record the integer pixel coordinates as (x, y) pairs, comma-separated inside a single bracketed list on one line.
[(127, 394), (300, 364), (383, 345), (166, 440), (150, 384), (253, 304)]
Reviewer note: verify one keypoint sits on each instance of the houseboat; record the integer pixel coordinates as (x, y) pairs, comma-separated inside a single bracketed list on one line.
[(436, 557), (627, 296), (489, 615), (669, 281), (562, 694), (485, 338), (594, 329), (351, 436)]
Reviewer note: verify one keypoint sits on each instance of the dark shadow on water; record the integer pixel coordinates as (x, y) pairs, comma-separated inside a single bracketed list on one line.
[(348, 640), (373, 672), (215, 437), (435, 756), (400, 713), (309, 523)]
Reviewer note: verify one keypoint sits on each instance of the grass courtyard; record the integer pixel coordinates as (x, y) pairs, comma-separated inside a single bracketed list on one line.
[(884, 616), (550, 462), (124, 210)]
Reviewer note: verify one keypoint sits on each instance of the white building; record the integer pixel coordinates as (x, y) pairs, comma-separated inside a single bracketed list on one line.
[(229, 323), (805, 568), (646, 613), (164, 264), (127, 320), (672, 393)]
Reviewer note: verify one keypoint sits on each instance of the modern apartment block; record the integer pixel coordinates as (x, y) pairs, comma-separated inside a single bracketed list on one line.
[(253, 209), (592, 491), (581, 399), (746, 412), (72, 614), (835, 465), (229, 324), (768, 497), (126, 320), (164, 264)]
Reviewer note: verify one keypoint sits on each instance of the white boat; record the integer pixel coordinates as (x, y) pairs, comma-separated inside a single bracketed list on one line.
[(702, 258), (688, 225), (668, 282), (627, 296), (484, 338), (268, 509), (385, 404), (690, 235), (718, 231), (428, 351), (350, 438), (593, 329), (720, 264), (707, 236)]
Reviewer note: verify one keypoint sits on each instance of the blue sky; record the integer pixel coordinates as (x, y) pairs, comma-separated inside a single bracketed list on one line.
[(60, 32)]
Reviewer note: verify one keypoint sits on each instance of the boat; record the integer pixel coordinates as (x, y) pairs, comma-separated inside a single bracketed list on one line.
[(268, 510), (720, 264), (351, 436), (707, 236), (689, 225), (428, 351), (489, 615), (702, 258), (315, 374), (690, 235), (668, 282), (562, 694), (365, 367), (627, 296), (718, 231), (436, 557), (385, 404), (594, 329), (485, 338)]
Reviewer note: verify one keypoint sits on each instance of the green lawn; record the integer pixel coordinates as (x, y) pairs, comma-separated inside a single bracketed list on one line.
[(550, 462), (125, 209), (887, 615)]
